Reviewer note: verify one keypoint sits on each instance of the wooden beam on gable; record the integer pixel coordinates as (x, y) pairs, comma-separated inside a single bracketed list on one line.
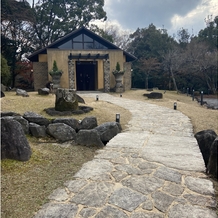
[(89, 56)]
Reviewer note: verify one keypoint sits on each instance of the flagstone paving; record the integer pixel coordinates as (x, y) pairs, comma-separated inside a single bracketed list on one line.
[(153, 169)]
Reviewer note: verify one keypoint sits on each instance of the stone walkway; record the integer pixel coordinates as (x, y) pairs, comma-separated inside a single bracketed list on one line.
[(153, 169)]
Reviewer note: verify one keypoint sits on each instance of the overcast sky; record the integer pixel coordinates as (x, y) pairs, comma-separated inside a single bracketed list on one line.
[(170, 14)]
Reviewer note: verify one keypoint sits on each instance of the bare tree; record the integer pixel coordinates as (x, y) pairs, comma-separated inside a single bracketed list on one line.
[(172, 63), (203, 63), (147, 66), (120, 37)]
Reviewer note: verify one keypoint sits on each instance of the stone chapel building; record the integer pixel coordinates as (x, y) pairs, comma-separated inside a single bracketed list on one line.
[(86, 59)]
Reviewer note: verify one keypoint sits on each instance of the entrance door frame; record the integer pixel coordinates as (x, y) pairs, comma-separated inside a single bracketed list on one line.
[(85, 71)]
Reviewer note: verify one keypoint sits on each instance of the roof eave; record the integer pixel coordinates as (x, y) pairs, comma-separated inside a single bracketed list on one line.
[(33, 57)]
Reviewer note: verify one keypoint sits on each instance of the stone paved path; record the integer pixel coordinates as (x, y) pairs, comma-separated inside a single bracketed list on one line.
[(154, 170)]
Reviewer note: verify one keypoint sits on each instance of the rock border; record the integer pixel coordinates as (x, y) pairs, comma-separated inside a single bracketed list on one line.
[(81, 110), (84, 132)]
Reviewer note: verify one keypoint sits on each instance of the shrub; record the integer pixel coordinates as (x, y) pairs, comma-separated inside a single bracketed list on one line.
[(5, 72), (55, 70)]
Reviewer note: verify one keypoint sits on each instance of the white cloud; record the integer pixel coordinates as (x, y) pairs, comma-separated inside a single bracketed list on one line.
[(194, 21), (172, 14)]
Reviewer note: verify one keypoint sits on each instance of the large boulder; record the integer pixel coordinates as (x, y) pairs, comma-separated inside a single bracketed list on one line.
[(3, 88), (14, 144), (80, 99), (61, 132), (2, 94), (33, 117), (43, 91), (88, 123), (89, 138), (108, 130), (37, 130), (74, 123), (212, 163), (22, 92), (66, 100), (205, 139), (24, 123), (9, 113), (154, 95), (49, 85)]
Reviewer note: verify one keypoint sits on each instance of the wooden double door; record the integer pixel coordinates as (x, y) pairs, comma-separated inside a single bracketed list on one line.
[(86, 75)]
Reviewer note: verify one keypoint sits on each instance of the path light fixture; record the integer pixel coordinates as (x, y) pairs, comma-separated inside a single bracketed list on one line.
[(187, 91), (96, 97), (117, 118), (193, 95), (175, 105), (202, 93)]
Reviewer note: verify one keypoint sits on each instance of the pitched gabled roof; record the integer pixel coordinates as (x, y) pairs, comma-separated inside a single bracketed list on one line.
[(34, 57)]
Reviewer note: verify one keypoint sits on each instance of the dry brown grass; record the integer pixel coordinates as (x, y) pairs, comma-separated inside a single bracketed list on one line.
[(26, 185), (104, 111), (201, 117)]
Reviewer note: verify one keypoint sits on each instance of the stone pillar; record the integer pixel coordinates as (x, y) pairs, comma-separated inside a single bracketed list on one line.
[(106, 66), (40, 73), (127, 80), (72, 84)]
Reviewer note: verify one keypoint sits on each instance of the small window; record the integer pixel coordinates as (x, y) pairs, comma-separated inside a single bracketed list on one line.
[(87, 38), (88, 45), (77, 45), (82, 41), (67, 45), (99, 46), (79, 38)]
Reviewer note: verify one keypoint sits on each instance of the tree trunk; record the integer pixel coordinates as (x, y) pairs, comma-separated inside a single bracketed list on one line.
[(174, 80), (13, 74), (146, 81), (211, 85), (169, 83)]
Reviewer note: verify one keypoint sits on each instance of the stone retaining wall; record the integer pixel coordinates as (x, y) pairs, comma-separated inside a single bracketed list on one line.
[(127, 80), (40, 73)]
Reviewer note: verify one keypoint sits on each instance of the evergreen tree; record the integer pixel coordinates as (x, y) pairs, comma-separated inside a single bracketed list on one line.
[(184, 37), (5, 72), (149, 44), (16, 17), (210, 33), (56, 18)]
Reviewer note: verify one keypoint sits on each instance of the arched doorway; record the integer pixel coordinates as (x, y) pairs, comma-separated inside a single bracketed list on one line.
[(86, 75)]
